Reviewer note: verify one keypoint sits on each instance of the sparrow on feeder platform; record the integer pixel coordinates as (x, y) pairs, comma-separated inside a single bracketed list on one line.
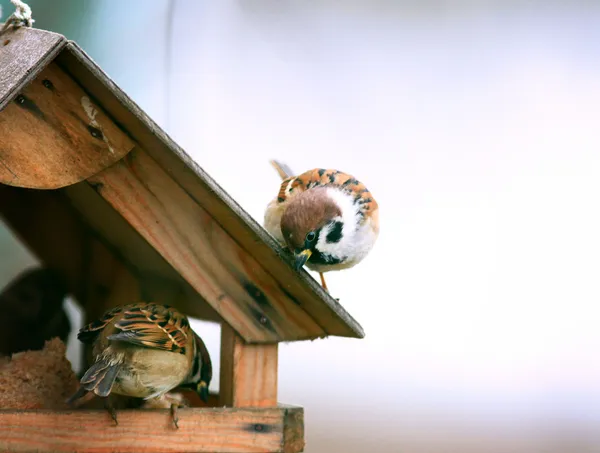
[(144, 351)]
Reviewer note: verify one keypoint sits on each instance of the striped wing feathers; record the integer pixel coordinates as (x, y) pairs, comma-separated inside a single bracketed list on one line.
[(87, 334), (154, 326), (328, 177), (150, 325)]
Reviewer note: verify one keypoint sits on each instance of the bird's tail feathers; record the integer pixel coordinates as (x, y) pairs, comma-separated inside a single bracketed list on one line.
[(80, 393), (99, 378), (282, 169)]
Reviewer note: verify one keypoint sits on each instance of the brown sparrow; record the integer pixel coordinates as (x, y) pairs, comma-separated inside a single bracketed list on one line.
[(328, 219), (144, 350), (32, 311)]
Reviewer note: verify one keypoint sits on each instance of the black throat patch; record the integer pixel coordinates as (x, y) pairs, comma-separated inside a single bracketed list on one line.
[(335, 235), (325, 258)]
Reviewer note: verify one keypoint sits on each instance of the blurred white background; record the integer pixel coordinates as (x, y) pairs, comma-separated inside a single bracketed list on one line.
[(475, 125)]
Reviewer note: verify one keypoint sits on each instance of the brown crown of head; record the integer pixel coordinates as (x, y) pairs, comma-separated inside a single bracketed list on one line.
[(307, 212)]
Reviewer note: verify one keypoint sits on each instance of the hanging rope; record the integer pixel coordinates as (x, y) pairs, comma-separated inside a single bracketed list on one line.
[(20, 18)]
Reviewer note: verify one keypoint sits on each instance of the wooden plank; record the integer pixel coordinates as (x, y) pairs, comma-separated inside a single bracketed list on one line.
[(47, 225), (50, 231), (299, 288), (248, 372), (23, 54), (112, 226), (293, 431), (200, 430), (54, 231), (73, 137), (231, 281), (159, 281)]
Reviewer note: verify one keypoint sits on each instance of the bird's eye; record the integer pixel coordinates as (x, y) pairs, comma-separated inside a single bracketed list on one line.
[(310, 237)]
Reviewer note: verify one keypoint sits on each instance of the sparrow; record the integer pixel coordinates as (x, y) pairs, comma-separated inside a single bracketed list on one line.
[(143, 351), (33, 304), (328, 219)]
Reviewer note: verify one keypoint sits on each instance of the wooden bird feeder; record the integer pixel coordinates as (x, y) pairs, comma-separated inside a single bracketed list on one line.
[(94, 188)]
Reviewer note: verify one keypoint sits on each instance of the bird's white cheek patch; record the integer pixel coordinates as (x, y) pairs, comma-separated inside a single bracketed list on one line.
[(336, 249)]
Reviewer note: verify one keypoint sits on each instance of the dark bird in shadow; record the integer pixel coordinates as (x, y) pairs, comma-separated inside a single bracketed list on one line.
[(31, 311)]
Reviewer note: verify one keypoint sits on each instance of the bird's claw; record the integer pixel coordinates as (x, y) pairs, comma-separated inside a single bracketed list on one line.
[(174, 415), (113, 413)]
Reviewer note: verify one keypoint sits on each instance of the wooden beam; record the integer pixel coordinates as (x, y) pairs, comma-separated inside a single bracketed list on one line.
[(66, 136), (51, 229), (276, 430), (159, 281), (223, 273), (293, 431), (248, 372), (98, 276)]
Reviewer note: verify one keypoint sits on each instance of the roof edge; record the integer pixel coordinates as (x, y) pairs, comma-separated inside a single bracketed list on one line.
[(24, 53)]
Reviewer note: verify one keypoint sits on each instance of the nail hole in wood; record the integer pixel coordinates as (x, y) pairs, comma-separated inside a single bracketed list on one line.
[(48, 84), (95, 132)]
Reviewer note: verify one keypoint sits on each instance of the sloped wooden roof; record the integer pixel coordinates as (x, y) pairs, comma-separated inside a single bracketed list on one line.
[(110, 173)]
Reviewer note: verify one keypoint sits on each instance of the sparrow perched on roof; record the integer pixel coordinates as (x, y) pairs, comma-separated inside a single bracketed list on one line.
[(328, 219), (144, 350), (33, 303)]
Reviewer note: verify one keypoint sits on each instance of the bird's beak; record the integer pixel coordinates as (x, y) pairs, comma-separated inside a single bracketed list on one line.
[(202, 390), (302, 258)]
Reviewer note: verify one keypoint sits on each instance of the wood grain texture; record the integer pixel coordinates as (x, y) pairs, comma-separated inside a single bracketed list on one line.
[(248, 372), (51, 229), (159, 281), (228, 278), (299, 288), (54, 231), (53, 135), (200, 430), (293, 431), (23, 54)]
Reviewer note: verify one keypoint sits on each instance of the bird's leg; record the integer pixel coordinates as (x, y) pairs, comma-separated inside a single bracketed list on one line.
[(111, 410), (323, 284), (174, 416), (172, 401)]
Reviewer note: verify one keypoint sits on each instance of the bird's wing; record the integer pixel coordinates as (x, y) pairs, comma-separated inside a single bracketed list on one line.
[(154, 326), (327, 177), (87, 334)]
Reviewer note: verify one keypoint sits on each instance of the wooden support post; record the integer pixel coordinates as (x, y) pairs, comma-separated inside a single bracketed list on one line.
[(248, 372)]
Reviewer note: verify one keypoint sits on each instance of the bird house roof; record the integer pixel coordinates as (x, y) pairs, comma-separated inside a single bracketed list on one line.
[(95, 188)]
